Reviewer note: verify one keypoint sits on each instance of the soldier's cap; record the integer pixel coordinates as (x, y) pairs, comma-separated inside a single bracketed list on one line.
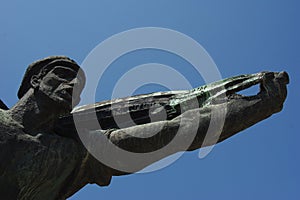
[(45, 65)]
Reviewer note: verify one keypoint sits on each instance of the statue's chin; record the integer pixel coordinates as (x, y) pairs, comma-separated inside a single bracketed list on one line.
[(59, 105)]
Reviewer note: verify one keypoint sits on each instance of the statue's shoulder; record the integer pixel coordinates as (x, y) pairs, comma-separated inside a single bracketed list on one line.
[(4, 117), (8, 126)]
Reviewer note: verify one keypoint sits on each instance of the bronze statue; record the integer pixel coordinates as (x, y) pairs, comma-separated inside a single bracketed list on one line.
[(42, 156)]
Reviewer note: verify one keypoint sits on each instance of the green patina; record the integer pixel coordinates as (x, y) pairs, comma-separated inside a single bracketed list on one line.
[(203, 95)]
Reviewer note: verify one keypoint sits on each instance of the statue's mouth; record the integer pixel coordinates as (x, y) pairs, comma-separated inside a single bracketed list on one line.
[(69, 91), (66, 93)]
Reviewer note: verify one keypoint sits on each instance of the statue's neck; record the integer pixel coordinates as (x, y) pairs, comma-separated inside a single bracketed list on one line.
[(31, 114)]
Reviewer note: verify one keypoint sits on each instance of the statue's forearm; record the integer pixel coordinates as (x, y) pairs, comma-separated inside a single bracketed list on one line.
[(241, 114)]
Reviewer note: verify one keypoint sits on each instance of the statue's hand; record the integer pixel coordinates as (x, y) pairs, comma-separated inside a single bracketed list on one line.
[(273, 87)]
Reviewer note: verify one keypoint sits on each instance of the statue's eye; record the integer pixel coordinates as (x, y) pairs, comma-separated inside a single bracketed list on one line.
[(64, 73), (62, 76)]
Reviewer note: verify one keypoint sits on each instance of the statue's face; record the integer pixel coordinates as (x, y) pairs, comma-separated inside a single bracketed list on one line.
[(58, 86)]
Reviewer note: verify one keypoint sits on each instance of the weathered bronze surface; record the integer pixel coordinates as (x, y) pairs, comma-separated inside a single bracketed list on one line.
[(43, 158)]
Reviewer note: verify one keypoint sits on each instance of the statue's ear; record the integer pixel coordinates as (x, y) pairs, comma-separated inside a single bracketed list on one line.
[(35, 81)]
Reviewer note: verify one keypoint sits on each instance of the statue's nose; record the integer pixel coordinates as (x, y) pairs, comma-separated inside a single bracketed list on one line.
[(75, 81)]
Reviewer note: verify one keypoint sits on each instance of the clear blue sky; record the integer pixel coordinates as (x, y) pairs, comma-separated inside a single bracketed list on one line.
[(261, 162)]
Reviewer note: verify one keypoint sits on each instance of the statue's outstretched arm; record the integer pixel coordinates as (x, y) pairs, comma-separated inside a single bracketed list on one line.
[(216, 121)]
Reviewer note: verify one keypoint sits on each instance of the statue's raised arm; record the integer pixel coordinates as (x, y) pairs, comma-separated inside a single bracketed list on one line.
[(44, 147)]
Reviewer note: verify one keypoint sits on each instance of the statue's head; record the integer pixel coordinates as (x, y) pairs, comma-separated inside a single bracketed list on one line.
[(56, 80)]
